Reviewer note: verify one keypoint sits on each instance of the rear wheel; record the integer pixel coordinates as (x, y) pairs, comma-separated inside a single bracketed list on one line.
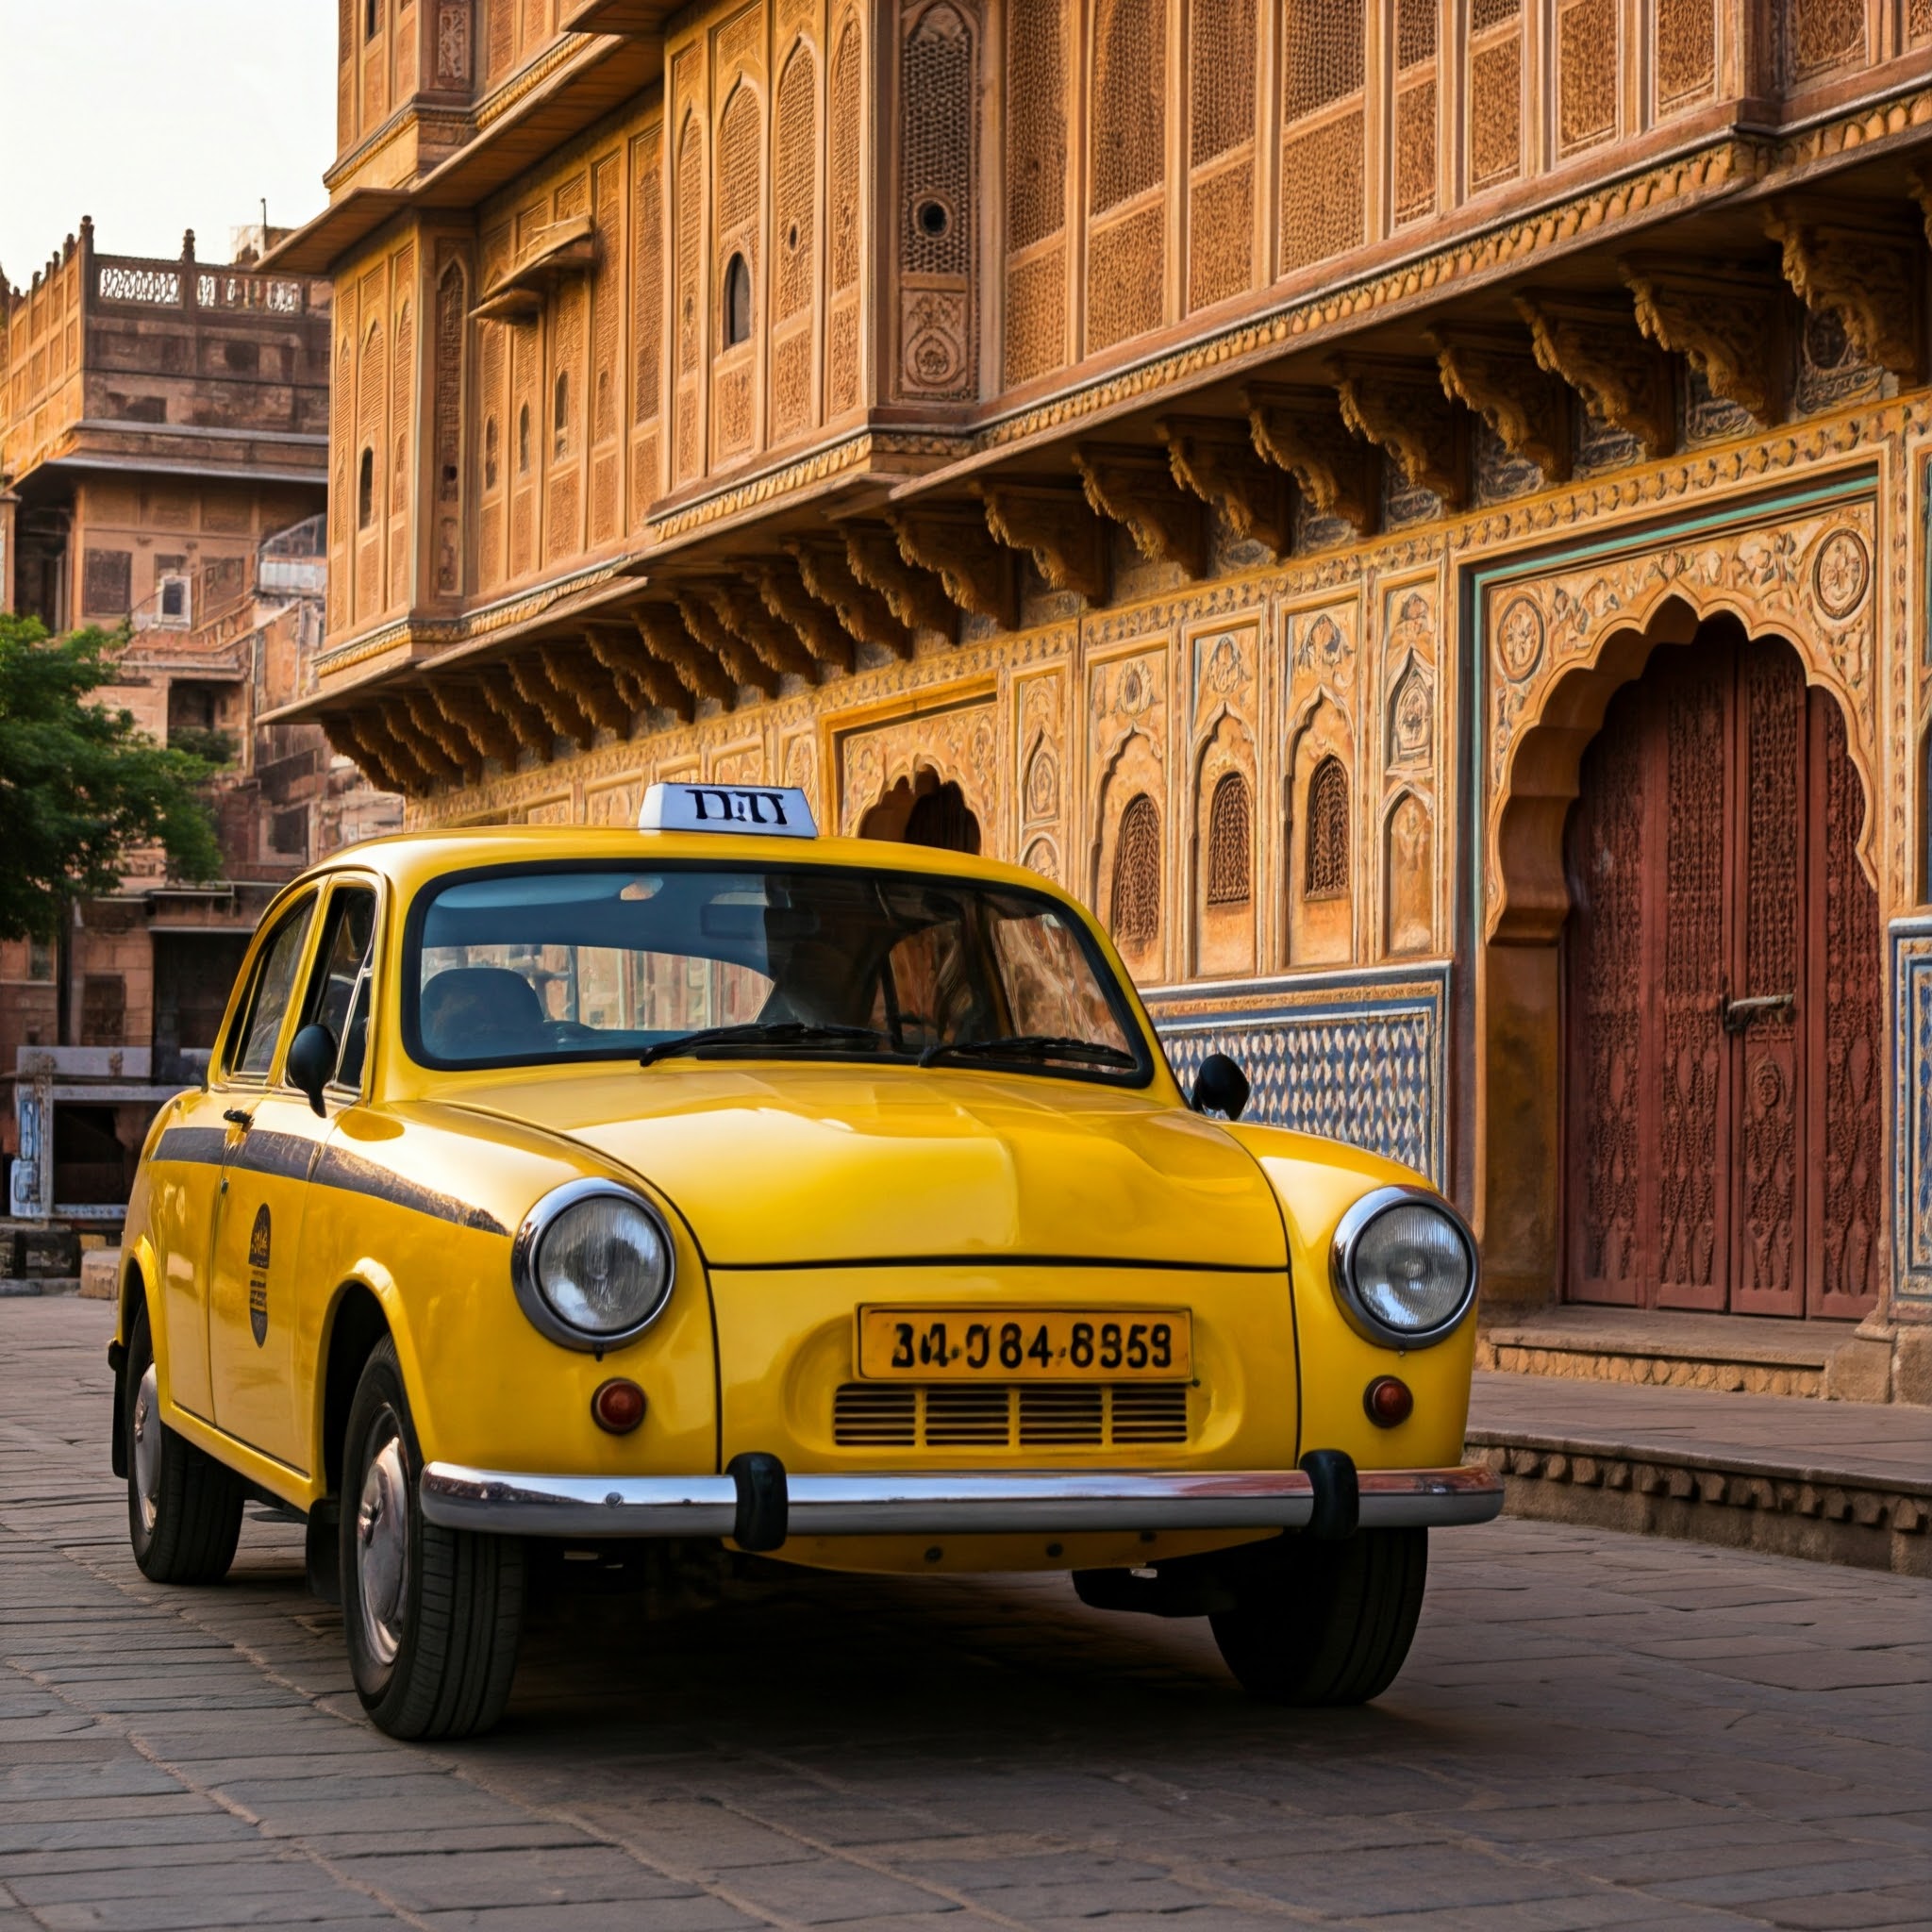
[(432, 1615), (1334, 1625), (184, 1509)]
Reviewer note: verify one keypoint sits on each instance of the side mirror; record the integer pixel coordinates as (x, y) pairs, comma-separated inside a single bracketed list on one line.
[(1220, 1086), (311, 1062)]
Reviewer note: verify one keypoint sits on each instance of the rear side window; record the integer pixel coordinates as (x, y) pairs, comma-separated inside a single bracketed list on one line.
[(270, 990)]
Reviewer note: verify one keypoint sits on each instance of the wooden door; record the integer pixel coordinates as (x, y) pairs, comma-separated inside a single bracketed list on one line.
[(1723, 1008)]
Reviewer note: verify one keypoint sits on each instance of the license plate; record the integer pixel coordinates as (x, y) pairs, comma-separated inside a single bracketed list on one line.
[(1025, 1344)]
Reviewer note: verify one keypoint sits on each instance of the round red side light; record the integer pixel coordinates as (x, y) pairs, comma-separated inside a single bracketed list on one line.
[(618, 1406), (1390, 1402)]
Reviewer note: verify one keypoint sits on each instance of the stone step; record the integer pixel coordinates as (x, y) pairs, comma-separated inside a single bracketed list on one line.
[(1833, 1482), (1664, 1349)]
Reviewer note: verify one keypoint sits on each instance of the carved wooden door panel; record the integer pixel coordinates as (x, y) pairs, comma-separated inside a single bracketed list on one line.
[(1723, 1004)]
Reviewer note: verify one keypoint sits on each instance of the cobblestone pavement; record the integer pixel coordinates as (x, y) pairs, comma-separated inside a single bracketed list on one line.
[(1593, 1730)]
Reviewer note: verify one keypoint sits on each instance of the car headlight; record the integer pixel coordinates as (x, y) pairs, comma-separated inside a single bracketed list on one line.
[(1405, 1266), (592, 1264)]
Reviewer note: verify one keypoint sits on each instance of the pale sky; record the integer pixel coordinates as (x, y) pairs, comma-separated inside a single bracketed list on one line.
[(158, 115)]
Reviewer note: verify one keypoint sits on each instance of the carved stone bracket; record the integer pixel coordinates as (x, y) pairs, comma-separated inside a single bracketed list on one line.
[(1053, 522), (864, 614), (665, 636), (1725, 320), (504, 696), (377, 754), (1216, 458), (565, 717), (595, 690), (437, 765), (1596, 347), (742, 613), (980, 574), (815, 625), (454, 742), (743, 665), (1137, 488), (1402, 408), (1921, 179), (1495, 373), (915, 596), (1299, 428), (646, 681), (465, 707), (1869, 273)]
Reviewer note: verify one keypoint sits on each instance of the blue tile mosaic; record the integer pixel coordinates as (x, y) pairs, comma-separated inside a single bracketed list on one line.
[(1358, 1060)]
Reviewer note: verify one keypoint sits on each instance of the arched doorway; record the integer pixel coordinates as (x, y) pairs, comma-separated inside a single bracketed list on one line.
[(1723, 1006), (925, 811)]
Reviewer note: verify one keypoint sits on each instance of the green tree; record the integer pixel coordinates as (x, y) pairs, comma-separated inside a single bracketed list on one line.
[(80, 784)]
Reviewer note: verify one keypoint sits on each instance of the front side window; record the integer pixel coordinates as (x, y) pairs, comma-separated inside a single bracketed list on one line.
[(270, 988), (338, 990), (530, 966)]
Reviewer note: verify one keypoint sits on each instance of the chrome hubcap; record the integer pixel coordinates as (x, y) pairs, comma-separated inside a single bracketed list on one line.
[(147, 1449), (382, 1545)]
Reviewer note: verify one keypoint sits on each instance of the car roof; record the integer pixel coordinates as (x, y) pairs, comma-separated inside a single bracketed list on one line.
[(411, 860)]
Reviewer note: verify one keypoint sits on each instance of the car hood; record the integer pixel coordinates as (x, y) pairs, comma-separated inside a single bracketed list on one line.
[(828, 1163)]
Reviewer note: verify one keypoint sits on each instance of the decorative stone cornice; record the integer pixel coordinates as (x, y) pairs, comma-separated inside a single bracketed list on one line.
[(1137, 488), (864, 614), (1402, 407), (1869, 273), (815, 625), (666, 638), (1495, 372), (915, 596), (1299, 428), (1725, 319), (1052, 521), (980, 574), (1216, 458), (1594, 344)]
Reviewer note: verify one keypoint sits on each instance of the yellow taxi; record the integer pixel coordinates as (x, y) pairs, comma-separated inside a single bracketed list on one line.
[(720, 1183)]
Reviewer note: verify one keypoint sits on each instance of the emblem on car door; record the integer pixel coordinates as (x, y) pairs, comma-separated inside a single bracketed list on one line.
[(258, 1275)]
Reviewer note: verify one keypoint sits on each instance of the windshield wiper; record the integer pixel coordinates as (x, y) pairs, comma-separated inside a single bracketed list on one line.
[(1028, 1046), (759, 1033)]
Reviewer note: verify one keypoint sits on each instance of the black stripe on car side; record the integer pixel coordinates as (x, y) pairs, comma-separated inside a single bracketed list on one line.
[(339, 1168), (293, 1155), (204, 1145)]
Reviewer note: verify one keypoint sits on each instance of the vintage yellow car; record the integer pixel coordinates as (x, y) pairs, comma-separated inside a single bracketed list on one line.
[(829, 1200)]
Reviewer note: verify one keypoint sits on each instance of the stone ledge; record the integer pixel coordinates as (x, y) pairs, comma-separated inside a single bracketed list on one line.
[(1735, 1501), (1731, 1373)]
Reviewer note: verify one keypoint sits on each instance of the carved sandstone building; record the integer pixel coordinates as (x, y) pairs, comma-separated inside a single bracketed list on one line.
[(1416, 508)]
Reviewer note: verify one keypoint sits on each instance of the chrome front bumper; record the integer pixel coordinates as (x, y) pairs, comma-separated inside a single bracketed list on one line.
[(972, 1502)]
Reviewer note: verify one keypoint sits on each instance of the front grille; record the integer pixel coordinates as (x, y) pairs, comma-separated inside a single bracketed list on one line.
[(1044, 1415)]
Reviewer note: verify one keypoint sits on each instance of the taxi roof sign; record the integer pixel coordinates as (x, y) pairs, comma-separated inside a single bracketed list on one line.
[(773, 811)]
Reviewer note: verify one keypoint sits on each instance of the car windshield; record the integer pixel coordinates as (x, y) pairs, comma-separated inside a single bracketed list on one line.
[(533, 965)]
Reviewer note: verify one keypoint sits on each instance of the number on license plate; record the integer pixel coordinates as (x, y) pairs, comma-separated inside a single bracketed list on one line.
[(927, 1345)]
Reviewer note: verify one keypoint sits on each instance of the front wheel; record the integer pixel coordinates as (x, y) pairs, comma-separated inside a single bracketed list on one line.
[(184, 1509), (432, 1615), (1331, 1626)]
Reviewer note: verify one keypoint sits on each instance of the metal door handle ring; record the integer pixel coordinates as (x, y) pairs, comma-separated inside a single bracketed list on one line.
[(1739, 1014)]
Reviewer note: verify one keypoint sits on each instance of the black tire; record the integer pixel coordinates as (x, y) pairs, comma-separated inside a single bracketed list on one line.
[(432, 1615), (1334, 1625), (184, 1509)]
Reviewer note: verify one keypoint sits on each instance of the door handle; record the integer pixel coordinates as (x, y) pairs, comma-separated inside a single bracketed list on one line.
[(1739, 1014), (240, 1117)]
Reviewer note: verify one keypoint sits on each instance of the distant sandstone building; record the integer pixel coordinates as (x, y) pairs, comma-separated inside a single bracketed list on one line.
[(1418, 512), (163, 448)]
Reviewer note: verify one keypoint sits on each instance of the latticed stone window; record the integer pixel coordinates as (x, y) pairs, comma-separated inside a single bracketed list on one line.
[(1230, 841), (1137, 875), (1327, 837)]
